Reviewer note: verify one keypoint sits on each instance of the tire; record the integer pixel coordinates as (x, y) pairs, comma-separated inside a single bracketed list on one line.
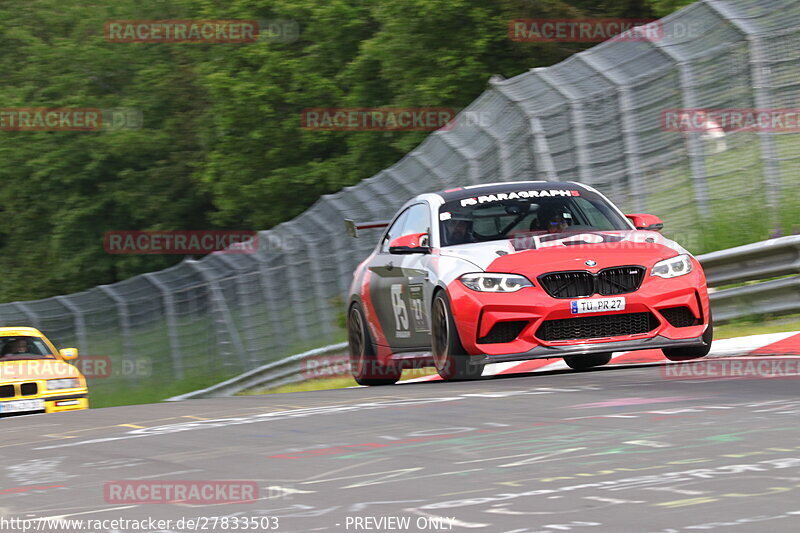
[(449, 356), (582, 362), (692, 352), (364, 365)]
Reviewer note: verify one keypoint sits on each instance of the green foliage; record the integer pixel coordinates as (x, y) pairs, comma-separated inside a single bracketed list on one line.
[(221, 146)]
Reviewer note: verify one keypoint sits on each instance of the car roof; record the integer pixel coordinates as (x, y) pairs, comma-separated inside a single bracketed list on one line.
[(506, 186), (20, 331)]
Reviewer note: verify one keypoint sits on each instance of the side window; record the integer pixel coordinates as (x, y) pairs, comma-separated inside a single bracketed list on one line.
[(394, 231), (418, 221)]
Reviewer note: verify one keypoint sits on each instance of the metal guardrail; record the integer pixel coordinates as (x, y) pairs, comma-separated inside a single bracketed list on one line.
[(275, 374), (779, 296), (757, 261), (752, 262)]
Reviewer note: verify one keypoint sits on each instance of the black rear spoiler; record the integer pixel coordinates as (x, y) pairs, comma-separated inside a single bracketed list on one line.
[(352, 227)]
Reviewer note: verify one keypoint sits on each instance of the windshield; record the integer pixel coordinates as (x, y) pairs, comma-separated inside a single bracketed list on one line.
[(20, 348), (519, 213)]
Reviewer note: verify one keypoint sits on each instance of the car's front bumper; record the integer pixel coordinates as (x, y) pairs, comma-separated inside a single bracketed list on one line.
[(54, 403), (476, 313), (66, 402)]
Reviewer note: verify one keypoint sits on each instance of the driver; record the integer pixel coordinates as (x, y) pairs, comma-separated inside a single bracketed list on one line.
[(458, 231), (17, 346), (557, 223), (551, 220)]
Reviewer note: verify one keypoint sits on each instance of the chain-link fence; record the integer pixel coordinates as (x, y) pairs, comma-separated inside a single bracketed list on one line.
[(594, 118)]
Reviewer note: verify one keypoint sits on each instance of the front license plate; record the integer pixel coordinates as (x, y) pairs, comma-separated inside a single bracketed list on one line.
[(20, 406), (597, 305)]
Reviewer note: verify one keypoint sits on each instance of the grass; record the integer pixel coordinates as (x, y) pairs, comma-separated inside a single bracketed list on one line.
[(757, 325)]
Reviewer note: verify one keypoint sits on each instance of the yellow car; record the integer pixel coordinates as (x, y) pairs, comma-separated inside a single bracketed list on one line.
[(35, 377)]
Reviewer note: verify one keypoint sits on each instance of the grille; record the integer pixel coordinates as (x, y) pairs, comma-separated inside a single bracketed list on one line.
[(679, 317), (29, 389), (503, 332), (7, 391), (580, 283), (597, 326)]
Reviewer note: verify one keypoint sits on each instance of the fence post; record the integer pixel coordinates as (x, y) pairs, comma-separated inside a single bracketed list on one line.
[(247, 316), (696, 150), (541, 151), (629, 134), (172, 326), (220, 313), (578, 120), (276, 320), (465, 152), (28, 312), (317, 283), (125, 325), (80, 323), (760, 75)]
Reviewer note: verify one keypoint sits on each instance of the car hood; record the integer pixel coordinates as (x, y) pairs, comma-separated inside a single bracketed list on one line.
[(567, 251), (36, 369)]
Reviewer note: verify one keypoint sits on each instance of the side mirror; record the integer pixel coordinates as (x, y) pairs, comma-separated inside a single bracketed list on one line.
[(416, 243), (647, 222), (69, 354)]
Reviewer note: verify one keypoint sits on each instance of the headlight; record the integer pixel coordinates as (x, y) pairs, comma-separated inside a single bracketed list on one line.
[(492, 282), (66, 383), (673, 267)]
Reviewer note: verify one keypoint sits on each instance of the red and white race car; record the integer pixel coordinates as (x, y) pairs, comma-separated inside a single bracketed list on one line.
[(520, 270)]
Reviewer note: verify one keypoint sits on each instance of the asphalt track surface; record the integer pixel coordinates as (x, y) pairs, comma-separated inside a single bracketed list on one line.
[(613, 449)]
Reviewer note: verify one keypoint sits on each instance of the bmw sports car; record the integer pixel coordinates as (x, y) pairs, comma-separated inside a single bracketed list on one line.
[(515, 271), (35, 377)]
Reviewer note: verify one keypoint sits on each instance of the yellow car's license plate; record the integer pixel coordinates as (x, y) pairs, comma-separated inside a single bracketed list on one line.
[(20, 406)]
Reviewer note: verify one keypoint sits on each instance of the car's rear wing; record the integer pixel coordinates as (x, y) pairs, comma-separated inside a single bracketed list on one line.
[(352, 227)]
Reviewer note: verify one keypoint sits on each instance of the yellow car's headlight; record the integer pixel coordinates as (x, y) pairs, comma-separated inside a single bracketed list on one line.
[(64, 383)]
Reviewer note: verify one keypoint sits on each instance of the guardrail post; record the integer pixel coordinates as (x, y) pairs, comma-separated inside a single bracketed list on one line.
[(128, 353), (172, 326), (80, 323), (221, 314)]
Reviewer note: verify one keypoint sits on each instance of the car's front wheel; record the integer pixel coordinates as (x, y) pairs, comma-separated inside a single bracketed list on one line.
[(692, 352), (364, 365), (449, 356), (582, 362)]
